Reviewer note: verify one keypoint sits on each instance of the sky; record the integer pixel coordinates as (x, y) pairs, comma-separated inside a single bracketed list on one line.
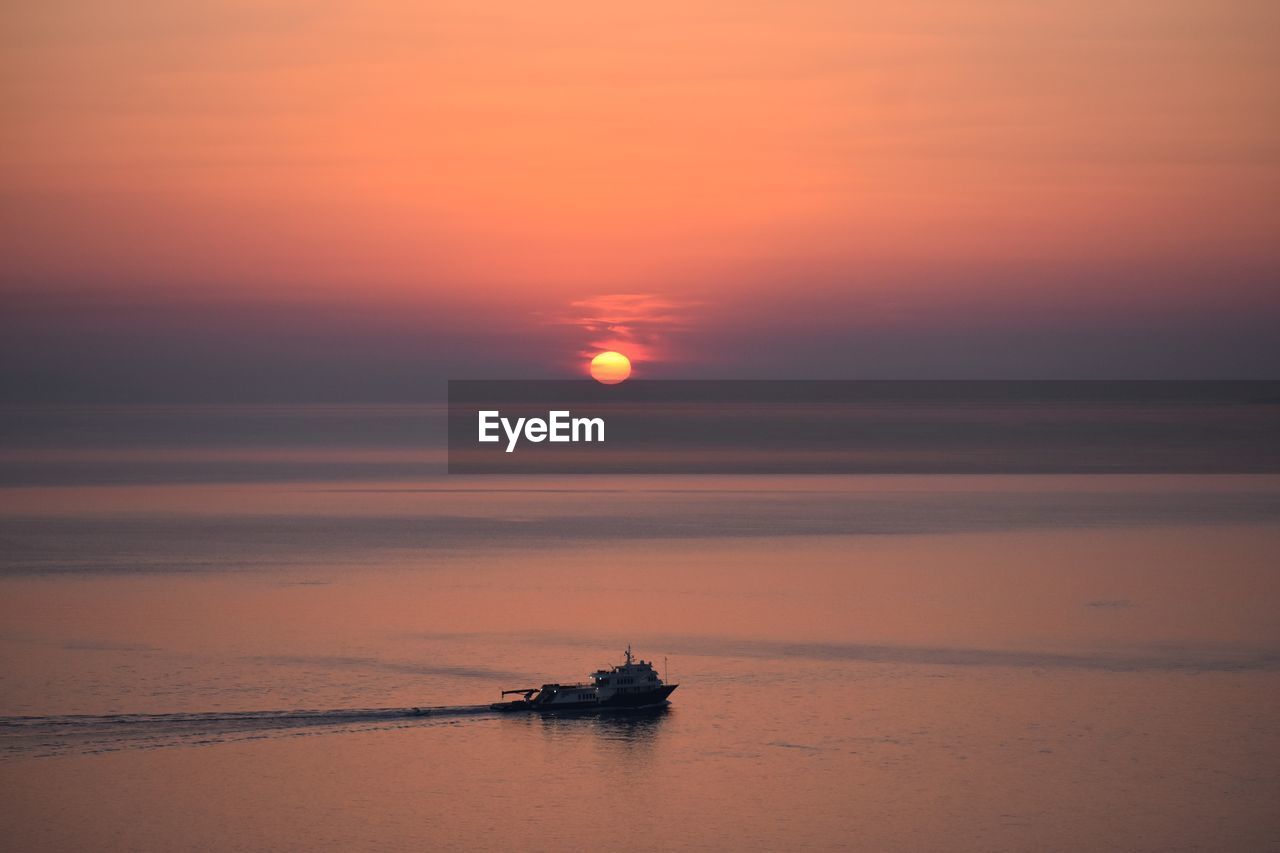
[(358, 200)]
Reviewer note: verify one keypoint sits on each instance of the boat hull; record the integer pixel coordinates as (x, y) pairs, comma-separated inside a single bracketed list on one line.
[(647, 699), (643, 701)]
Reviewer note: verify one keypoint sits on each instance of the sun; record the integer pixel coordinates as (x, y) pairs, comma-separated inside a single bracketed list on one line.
[(610, 367)]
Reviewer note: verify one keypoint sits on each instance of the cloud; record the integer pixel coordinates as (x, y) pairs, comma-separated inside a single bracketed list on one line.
[(639, 325)]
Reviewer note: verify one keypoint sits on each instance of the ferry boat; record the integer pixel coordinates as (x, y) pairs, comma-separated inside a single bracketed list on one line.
[(631, 686)]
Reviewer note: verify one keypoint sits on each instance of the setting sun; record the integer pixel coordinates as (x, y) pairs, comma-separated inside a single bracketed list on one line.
[(610, 368)]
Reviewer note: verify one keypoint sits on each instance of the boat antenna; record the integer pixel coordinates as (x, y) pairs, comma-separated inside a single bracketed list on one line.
[(664, 669)]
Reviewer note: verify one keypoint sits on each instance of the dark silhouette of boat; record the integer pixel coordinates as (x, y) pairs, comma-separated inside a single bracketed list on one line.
[(631, 686)]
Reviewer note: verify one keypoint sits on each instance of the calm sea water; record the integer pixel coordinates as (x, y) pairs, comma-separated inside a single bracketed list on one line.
[(212, 621)]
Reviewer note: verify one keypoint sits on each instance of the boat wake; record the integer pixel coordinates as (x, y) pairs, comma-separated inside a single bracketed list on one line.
[(26, 737)]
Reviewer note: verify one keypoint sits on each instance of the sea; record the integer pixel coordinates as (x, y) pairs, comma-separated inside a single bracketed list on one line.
[(216, 623)]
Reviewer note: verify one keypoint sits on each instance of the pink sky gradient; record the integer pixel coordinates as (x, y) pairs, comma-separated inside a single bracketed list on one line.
[(906, 188)]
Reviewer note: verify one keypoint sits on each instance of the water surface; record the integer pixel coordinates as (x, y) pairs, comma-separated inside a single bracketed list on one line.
[(216, 649)]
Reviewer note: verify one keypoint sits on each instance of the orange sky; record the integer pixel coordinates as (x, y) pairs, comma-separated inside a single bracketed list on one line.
[(862, 155)]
